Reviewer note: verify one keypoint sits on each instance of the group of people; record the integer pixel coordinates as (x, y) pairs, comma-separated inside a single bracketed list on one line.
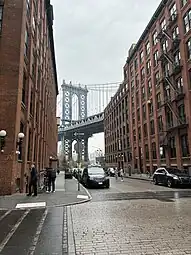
[(49, 180), (119, 173)]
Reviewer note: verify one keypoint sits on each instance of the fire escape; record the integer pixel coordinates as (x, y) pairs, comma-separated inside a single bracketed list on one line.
[(171, 67)]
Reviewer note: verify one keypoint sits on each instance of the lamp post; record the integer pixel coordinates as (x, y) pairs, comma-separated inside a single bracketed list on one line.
[(19, 143), (3, 134)]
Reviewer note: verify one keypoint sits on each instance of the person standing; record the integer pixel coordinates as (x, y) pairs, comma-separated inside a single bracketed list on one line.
[(116, 173), (33, 181), (51, 179)]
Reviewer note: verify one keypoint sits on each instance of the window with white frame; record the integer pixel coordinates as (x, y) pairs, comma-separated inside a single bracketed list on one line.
[(189, 48), (165, 46), (141, 57), (163, 24), (167, 69), (155, 57), (184, 2), (177, 58), (179, 84), (154, 38), (148, 48), (187, 21), (173, 11), (175, 32)]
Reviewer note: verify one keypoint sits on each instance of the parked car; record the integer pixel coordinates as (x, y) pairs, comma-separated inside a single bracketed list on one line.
[(95, 177), (171, 177), (68, 173)]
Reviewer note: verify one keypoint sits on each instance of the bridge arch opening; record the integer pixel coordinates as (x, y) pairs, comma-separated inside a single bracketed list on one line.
[(75, 107)]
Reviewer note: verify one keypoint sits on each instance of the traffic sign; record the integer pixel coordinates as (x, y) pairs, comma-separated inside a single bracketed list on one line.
[(78, 134)]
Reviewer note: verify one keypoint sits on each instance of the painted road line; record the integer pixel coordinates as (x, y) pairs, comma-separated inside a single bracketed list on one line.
[(11, 233), (82, 196), (38, 232), (4, 215), (31, 205)]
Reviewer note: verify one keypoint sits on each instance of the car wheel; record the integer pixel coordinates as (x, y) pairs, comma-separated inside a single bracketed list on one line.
[(108, 186), (169, 183), (155, 180)]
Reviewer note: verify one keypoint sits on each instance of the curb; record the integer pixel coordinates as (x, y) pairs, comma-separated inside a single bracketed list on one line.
[(58, 205), (139, 178)]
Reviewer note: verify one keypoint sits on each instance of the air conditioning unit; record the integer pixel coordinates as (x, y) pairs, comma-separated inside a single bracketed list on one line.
[(149, 102)]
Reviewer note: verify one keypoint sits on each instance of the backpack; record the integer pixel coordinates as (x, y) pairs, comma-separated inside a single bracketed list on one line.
[(53, 173)]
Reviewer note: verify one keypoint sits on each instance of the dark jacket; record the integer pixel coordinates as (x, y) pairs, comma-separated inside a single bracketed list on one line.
[(33, 174)]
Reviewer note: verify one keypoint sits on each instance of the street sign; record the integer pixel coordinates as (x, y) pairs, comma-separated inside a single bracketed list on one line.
[(78, 134)]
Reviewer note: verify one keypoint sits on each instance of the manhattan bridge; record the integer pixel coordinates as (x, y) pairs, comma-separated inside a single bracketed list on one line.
[(81, 109)]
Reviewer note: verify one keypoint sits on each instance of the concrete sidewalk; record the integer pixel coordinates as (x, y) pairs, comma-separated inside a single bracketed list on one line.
[(142, 177), (66, 194)]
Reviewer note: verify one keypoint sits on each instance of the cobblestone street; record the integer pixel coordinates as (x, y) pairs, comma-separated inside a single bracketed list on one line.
[(137, 227)]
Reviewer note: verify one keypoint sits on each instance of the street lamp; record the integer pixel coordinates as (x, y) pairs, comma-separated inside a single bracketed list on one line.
[(19, 142), (3, 134)]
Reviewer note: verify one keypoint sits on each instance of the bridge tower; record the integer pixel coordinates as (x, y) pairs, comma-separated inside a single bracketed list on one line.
[(68, 90)]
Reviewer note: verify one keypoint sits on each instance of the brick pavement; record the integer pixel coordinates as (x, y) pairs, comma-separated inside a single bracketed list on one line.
[(136, 227)]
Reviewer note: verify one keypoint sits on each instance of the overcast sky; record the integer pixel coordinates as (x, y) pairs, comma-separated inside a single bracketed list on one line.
[(92, 38)]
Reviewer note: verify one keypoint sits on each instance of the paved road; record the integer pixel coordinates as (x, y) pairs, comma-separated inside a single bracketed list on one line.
[(134, 218)]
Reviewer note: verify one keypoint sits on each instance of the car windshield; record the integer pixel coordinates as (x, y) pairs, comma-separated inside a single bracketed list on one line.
[(174, 171), (96, 171)]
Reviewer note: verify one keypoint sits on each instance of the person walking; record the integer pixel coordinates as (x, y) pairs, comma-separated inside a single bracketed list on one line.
[(33, 181), (121, 174)]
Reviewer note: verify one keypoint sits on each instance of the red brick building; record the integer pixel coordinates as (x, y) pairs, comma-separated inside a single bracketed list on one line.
[(28, 89), (148, 122)]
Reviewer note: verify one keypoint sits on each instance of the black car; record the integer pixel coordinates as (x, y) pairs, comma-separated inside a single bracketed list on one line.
[(171, 177), (95, 177)]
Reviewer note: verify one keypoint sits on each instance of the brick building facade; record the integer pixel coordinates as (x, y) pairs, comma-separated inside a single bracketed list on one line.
[(28, 89), (148, 121)]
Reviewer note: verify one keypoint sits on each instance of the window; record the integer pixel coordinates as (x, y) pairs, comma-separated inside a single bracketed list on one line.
[(146, 151), (134, 135), (148, 48), (154, 38), (144, 111), (145, 130), (154, 153), (189, 48), (138, 114), (184, 145), (184, 2), (179, 84), (148, 66), (141, 57), (167, 69), (155, 58), (175, 33), (173, 12), (142, 74), (24, 88), (165, 46), (137, 80), (149, 88), (187, 21), (152, 127), (172, 147), (163, 24), (169, 119), (143, 92), (158, 96), (177, 58), (136, 64), (131, 70), (157, 78), (181, 113), (31, 103), (167, 93), (139, 133), (160, 123), (29, 145), (26, 42), (1, 17)]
